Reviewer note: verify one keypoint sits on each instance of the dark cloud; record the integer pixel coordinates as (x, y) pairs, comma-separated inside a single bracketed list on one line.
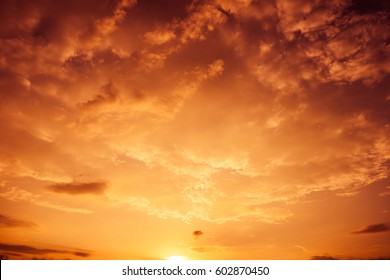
[(197, 233), (349, 257), (381, 258), (109, 93), (76, 188), (158, 11), (9, 222), (29, 250), (373, 229), (9, 255), (81, 254), (363, 6), (322, 258)]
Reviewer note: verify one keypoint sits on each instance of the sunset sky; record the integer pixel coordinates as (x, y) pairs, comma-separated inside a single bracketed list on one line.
[(208, 129)]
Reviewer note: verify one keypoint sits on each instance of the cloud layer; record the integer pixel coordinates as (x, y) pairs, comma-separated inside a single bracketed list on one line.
[(206, 112), (29, 250), (9, 222), (373, 229), (76, 188)]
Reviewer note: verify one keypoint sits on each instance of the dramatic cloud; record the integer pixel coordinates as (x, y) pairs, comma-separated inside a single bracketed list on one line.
[(219, 114), (9, 222), (76, 188), (373, 229)]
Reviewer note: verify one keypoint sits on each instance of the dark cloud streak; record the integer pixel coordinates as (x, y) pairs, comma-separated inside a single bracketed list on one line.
[(77, 188), (322, 258), (373, 229), (109, 94), (9, 222), (29, 250)]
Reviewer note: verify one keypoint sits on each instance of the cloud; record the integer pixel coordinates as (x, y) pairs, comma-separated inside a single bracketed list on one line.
[(325, 257), (20, 195), (238, 109), (348, 257), (106, 25), (10, 255), (197, 233), (63, 208), (222, 215), (29, 250), (82, 254), (109, 94), (159, 37), (203, 17), (145, 205), (373, 229), (200, 249), (224, 112), (363, 7), (208, 249), (9, 222), (381, 258), (386, 192), (77, 188)]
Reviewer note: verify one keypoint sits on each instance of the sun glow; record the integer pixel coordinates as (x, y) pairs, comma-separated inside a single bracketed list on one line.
[(176, 258)]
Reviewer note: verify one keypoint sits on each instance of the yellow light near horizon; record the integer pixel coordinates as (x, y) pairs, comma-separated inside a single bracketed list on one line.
[(175, 258)]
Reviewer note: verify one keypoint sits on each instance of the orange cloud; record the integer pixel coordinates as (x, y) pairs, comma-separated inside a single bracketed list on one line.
[(322, 258), (373, 229), (207, 113), (76, 188), (19, 195), (9, 222), (29, 250), (197, 233)]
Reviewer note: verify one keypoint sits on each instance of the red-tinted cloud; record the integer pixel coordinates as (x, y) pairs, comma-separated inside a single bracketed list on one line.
[(214, 111), (9, 222), (373, 229), (76, 188), (29, 250)]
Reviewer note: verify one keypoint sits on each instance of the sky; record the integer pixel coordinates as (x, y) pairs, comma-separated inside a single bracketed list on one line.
[(207, 129)]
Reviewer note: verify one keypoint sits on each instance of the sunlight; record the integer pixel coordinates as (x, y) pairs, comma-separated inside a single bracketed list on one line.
[(176, 258)]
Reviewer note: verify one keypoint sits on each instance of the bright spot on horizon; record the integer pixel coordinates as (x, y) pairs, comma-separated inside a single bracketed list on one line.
[(176, 258)]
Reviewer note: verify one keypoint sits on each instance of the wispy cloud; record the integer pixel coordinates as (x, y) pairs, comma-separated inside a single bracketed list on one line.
[(376, 228), (207, 249), (9, 222), (325, 257), (77, 188), (20, 195), (386, 192), (29, 250)]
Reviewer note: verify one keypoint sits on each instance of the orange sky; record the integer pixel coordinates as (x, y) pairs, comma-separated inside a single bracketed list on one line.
[(209, 129)]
